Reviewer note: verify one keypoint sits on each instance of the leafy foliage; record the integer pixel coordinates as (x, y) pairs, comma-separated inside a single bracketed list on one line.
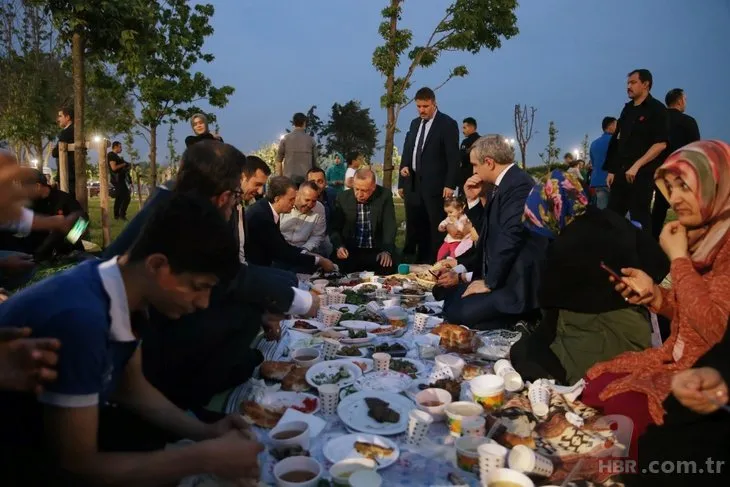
[(551, 154), (467, 25), (268, 154), (585, 149), (351, 128)]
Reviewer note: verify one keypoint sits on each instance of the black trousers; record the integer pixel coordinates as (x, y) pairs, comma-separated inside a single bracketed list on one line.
[(658, 213), (364, 260), (424, 212), (633, 197), (121, 200)]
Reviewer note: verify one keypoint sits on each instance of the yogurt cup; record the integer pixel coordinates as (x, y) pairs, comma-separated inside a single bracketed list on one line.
[(456, 412), (488, 390)]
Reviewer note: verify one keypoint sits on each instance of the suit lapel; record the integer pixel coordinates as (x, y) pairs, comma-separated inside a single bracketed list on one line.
[(431, 131)]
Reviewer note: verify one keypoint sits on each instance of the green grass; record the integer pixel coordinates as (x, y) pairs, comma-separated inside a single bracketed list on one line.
[(115, 226)]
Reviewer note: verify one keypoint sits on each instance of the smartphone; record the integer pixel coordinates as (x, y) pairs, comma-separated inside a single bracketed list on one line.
[(77, 230), (616, 276)]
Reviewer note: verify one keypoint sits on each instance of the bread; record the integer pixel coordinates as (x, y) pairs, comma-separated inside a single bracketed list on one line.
[(471, 371), (295, 380), (455, 337), (271, 370), (259, 415)]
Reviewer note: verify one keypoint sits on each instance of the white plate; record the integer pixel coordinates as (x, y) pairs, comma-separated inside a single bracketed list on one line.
[(351, 308), (343, 447), (353, 411), (289, 324), (386, 381), (331, 367), (287, 399), (358, 341), (369, 364), (359, 325), (360, 286), (420, 367)]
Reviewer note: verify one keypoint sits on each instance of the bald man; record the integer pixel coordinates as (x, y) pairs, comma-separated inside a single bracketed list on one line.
[(363, 226)]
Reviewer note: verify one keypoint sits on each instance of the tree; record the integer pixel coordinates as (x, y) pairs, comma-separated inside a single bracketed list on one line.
[(551, 155), (524, 122), (468, 25), (98, 30), (585, 149), (378, 169), (173, 158), (268, 153), (165, 87), (351, 128)]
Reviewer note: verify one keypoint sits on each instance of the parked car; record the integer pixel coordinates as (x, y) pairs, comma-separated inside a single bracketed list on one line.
[(94, 188)]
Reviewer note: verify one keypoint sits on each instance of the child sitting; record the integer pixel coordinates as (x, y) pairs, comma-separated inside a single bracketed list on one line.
[(462, 236)]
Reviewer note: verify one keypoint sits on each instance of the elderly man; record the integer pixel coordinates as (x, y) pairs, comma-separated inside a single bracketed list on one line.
[(305, 226), (502, 287), (363, 226)]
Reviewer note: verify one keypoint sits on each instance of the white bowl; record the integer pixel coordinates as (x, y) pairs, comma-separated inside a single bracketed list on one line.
[(300, 439), (298, 464), (306, 352), (342, 470), (434, 394), (508, 475)]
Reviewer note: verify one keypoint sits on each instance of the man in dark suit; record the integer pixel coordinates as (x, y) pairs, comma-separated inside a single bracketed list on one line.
[(683, 130), (265, 244), (363, 226), (65, 120), (469, 129), (502, 288), (429, 172)]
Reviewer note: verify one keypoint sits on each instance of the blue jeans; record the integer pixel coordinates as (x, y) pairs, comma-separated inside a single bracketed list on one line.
[(601, 198), (12, 280)]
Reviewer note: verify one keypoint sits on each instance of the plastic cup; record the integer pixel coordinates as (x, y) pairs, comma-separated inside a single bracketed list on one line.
[(330, 317), (457, 412), (337, 298), (381, 361), (527, 461), (329, 396), (492, 456), (330, 290), (330, 348), (467, 457), (420, 320), (418, 424), (367, 276), (389, 303), (539, 395), (475, 426), (381, 294), (455, 363), (404, 268), (373, 307), (512, 379), (324, 300), (488, 390)]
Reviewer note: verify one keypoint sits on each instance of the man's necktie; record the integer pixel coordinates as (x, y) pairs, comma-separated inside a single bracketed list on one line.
[(419, 145)]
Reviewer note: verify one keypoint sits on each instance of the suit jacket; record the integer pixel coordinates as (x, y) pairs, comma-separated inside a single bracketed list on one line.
[(440, 157), (264, 241), (382, 213), (511, 254), (683, 129)]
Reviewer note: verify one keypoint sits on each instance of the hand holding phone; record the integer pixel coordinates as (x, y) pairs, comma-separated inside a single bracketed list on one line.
[(635, 285), (77, 230)]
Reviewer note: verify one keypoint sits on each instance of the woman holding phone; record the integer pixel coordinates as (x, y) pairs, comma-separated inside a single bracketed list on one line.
[(696, 182)]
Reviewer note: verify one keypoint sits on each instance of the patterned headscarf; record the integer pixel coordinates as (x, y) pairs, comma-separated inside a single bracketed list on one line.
[(705, 167), (554, 203)]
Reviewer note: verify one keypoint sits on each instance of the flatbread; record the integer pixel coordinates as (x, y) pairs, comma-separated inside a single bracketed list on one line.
[(259, 415), (271, 370), (295, 380)]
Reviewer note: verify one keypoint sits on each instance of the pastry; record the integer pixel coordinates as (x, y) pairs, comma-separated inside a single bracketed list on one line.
[(455, 337), (372, 451), (470, 371), (271, 370), (259, 415), (295, 380)]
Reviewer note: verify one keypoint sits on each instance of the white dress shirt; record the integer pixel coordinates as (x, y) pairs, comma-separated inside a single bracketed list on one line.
[(429, 123)]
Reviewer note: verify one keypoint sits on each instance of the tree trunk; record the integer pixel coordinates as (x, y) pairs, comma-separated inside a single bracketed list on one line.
[(39, 153), (104, 194), (79, 162), (153, 157), (390, 124), (523, 153)]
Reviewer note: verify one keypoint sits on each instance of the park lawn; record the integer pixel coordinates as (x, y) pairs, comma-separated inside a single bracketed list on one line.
[(117, 226)]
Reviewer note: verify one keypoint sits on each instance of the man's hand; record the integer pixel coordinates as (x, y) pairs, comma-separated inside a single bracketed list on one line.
[(448, 193), (342, 253), (271, 323), (632, 172), (384, 259), (232, 422), (233, 456), (476, 287), (447, 263), (66, 223), (13, 195), (673, 240), (26, 364), (473, 187), (609, 180), (16, 263), (405, 172), (401, 193), (448, 279), (701, 390), (326, 264)]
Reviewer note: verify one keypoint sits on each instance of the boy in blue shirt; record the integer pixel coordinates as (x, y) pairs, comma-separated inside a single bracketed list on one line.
[(184, 249)]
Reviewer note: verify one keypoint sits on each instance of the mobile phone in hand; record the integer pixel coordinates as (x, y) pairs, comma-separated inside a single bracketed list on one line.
[(616, 276), (77, 230)]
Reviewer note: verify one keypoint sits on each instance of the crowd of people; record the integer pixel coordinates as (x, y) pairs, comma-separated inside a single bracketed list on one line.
[(99, 364)]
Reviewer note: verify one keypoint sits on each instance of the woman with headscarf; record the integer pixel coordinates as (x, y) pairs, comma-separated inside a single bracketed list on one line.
[(585, 321), (199, 123), (336, 173), (696, 182)]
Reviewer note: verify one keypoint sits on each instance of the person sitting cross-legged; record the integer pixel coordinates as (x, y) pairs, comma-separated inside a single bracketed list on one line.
[(363, 226), (265, 244), (91, 425)]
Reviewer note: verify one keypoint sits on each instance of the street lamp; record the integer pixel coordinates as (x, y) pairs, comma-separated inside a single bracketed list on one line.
[(512, 142), (576, 153), (281, 137), (34, 163), (97, 138)]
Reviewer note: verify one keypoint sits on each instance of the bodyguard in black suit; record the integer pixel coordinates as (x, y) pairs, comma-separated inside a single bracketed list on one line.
[(469, 129), (65, 120), (502, 287), (429, 172)]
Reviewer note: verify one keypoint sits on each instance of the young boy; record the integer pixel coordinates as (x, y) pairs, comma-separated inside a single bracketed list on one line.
[(184, 249)]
